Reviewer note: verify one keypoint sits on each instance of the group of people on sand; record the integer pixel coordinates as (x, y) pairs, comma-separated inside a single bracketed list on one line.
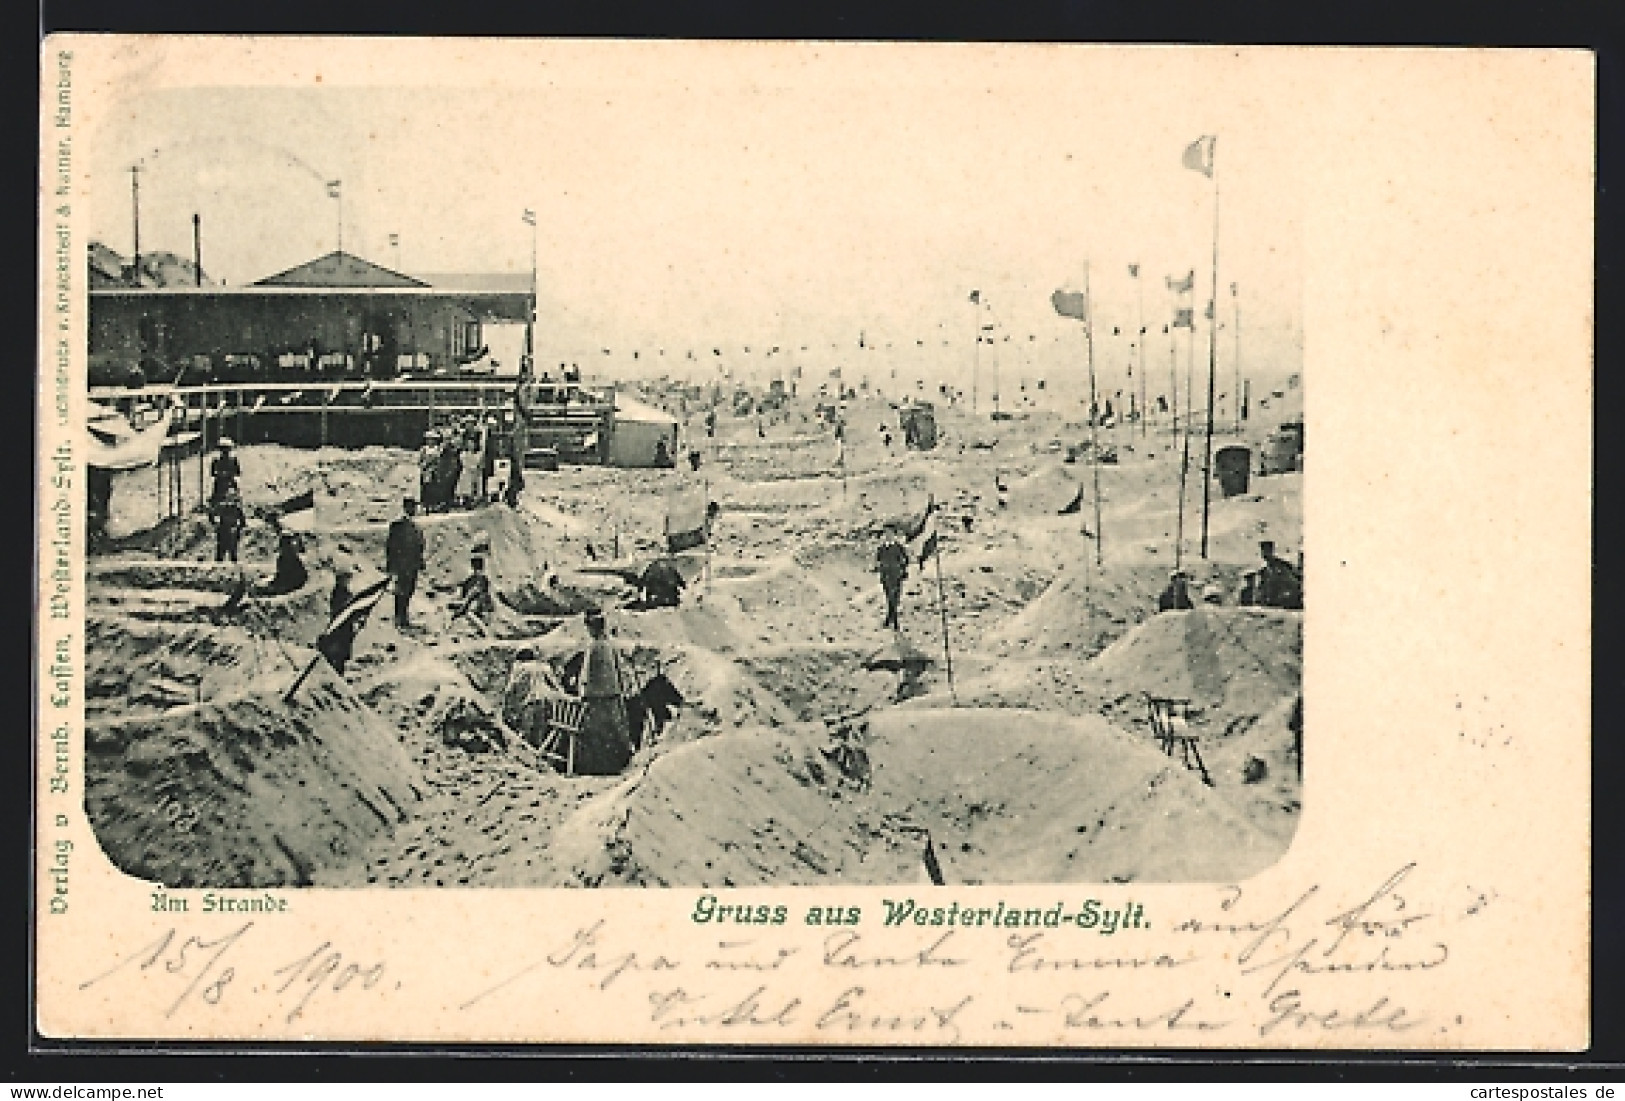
[(471, 462), (230, 518)]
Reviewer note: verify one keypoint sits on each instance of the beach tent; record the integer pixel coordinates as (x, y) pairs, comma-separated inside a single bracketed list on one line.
[(639, 433)]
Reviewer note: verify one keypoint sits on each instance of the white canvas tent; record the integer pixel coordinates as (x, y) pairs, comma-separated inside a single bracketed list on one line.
[(638, 434)]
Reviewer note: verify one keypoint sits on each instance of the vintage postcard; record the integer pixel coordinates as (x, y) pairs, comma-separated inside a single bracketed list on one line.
[(814, 543)]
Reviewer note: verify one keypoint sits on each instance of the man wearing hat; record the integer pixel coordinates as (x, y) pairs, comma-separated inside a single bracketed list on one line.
[(224, 471), (1276, 583), (403, 559), (229, 522)]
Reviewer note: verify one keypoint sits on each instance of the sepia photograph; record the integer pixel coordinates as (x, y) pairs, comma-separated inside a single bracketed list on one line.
[(571, 489)]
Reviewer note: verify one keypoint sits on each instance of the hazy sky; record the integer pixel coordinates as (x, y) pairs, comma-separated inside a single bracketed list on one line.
[(727, 196)]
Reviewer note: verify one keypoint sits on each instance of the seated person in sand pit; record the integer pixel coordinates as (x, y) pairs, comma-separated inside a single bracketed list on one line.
[(1275, 584), (527, 699), (290, 575), (1177, 596), (604, 747), (474, 594)]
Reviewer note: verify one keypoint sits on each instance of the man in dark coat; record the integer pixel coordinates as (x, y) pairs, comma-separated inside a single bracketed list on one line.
[(403, 559), (891, 563), (229, 522)]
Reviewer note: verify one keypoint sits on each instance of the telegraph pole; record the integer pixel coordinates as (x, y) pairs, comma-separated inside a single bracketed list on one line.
[(197, 250)]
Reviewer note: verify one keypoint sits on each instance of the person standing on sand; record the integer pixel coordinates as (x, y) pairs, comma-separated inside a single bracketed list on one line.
[(605, 744), (403, 559), (518, 449), (229, 522), (891, 563), (224, 471)]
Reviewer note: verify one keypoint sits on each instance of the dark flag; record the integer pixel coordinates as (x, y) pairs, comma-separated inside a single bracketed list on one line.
[(1184, 318), (916, 526), (1075, 506), (338, 638), (1134, 271), (929, 547), (976, 298), (1182, 286)]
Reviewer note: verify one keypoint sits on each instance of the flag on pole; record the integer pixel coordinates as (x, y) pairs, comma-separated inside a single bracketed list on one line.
[(1134, 271), (528, 217), (334, 188), (394, 240), (1072, 304), (1199, 155), (933, 870), (1184, 318), (1208, 313), (976, 298), (1232, 290), (1182, 286), (916, 526)]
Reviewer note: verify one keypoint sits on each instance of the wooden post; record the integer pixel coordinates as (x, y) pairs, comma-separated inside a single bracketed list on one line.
[(942, 610)]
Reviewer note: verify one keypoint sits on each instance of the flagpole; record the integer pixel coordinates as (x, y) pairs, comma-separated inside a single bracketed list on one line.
[(1094, 412), (1185, 445), (530, 319), (1212, 352), (1139, 288)]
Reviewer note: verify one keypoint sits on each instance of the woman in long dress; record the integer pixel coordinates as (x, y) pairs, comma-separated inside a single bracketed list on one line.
[(604, 747)]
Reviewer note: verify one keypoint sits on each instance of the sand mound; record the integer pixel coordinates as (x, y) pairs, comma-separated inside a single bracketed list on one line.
[(1081, 611), (722, 812), (1241, 660), (247, 791)]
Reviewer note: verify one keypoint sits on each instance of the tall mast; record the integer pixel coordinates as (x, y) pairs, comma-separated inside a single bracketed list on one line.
[(1235, 300), (1094, 412)]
